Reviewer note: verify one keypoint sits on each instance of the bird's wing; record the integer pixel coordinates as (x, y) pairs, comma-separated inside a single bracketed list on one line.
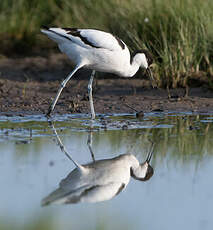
[(88, 38), (87, 193), (62, 194), (98, 193)]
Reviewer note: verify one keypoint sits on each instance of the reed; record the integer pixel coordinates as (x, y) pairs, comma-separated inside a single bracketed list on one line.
[(179, 33)]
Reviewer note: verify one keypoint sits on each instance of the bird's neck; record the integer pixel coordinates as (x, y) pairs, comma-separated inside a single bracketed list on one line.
[(132, 161), (138, 171), (132, 68)]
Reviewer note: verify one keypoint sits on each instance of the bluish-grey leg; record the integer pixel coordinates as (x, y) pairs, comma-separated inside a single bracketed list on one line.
[(90, 95), (63, 84), (89, 144)]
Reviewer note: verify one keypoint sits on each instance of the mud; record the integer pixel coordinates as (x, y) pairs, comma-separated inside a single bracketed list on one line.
[(28, 85)]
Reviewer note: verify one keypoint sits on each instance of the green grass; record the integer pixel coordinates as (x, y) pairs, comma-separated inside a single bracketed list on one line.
[(179, 33)]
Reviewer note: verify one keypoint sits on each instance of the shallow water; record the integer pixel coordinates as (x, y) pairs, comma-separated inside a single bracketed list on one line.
[(178, 196)]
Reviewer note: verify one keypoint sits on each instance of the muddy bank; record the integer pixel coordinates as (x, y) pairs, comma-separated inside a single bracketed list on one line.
[(27, 86)]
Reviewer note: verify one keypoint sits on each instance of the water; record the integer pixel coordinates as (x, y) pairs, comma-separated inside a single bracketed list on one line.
[(178, 196)]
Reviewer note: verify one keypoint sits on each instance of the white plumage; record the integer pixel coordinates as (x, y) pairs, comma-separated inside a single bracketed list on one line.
[(100, 180), (98, 51)]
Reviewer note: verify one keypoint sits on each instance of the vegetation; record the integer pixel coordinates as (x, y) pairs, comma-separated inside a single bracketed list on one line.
[(179, 33)]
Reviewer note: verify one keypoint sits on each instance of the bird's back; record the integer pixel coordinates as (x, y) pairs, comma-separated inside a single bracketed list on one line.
[(99, 172), (101, 180), (93, 49), (87, 38)]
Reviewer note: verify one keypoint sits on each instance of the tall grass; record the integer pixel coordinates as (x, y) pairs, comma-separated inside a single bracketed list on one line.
[(179, 33)]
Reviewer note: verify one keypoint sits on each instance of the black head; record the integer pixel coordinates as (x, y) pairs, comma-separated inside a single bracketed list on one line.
[(148, 55), (145, 171), (149, 173), (139, 175)]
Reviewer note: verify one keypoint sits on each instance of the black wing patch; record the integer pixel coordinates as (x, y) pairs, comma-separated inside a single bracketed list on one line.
[(76, 199), (120, 189), (120, 42), (76, 33)]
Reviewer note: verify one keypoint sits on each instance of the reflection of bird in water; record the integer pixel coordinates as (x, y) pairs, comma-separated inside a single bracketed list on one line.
[(98, 51), (100, 180)]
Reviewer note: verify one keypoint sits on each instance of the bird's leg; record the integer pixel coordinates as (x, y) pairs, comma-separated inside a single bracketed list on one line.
[(89, 140), (63, 84), (62, 147), (89, 144), (90, 95)]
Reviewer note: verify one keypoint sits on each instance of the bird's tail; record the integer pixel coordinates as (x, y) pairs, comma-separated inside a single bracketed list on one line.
[(56, 197), (58, 35)]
